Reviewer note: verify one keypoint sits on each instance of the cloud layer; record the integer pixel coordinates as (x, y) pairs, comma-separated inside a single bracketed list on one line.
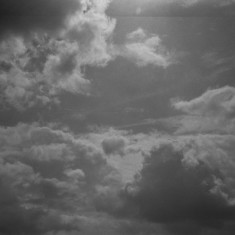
[(38, 67), (35, 199), (175, 183), (45, 49)]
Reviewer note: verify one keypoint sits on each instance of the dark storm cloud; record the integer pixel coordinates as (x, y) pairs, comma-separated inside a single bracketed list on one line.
[(172, 189), (22, 16)]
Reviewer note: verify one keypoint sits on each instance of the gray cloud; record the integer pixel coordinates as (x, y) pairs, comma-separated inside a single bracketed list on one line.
[(80, 176), (144, 49), (210, 112), (36, 69), (19, 219), (173, 191), (212, 102), (114, 145), (182, 182), (186, 184)]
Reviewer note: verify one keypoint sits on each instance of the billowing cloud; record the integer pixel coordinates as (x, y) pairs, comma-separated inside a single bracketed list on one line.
[(186, 180), (41, 61), (174, 183), (19, 218), (114, 145), (37, 68), (182, 178), (144, 49), (212, 111), (80, 176), (213, 102)]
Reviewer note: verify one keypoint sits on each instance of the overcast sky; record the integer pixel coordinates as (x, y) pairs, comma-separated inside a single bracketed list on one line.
[(117, 117)]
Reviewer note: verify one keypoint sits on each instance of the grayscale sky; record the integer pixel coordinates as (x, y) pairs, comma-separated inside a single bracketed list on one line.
[(117, 117)]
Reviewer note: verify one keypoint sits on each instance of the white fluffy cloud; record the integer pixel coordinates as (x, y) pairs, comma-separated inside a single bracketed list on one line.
[(35, 69), (217, 102), (144, 49), (213, 111)]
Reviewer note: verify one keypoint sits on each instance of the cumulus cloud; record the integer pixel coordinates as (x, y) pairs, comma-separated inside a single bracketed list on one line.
[(114, 145), (174, 183), (144, 49), (19, 218), (41, 60), (202, 163), (184, 182), (187, 181), (80, 175), (212, 111), (122, 150), (84, 181), (36, 68), (213, 102)]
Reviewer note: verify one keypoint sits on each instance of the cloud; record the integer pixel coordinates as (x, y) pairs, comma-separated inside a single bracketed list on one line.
[(75, 174), (62, 71), (145, 50), (176, 187), (37, 68), (122, 150), (17, 215), (80, 175), (114, 145), (184, 182), (213, 102), (174, 183), (212, 111), (84, 181)]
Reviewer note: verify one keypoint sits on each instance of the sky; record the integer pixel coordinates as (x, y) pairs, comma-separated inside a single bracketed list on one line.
[(117, 117)]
